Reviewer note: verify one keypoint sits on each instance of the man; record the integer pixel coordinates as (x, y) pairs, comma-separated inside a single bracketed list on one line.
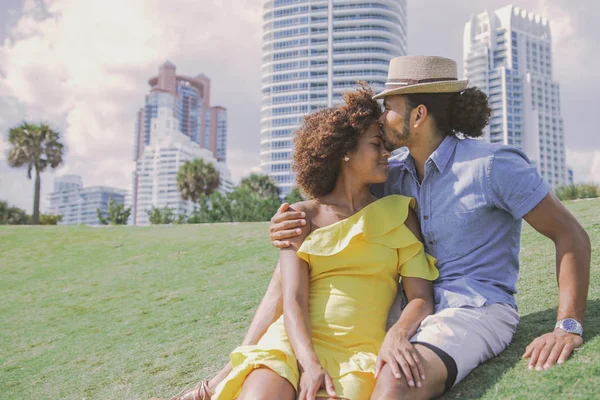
[(472, 197)]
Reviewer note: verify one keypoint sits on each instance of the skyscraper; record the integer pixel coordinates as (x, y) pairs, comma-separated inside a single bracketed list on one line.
[(508, 55), (215, 138), (155, 183), (313, 51), (189, 100), (176, 125)]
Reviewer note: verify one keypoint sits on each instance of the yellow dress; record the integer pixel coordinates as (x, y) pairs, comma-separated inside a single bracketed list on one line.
[(354, 267)]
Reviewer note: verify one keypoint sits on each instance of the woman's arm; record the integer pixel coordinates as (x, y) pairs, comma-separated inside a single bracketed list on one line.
[(269, 310), (294, 282)]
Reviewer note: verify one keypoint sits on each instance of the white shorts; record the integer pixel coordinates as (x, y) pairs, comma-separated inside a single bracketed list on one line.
[(467, 336)]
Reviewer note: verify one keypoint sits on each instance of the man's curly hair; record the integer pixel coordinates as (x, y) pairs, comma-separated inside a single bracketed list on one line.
[(466, 112), (327, 135)]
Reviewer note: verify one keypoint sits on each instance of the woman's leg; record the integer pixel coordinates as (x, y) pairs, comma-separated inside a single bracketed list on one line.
[(263, 384), (222, 374)]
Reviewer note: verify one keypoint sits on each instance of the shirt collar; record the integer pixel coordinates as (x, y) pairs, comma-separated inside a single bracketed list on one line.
[(445, 150)]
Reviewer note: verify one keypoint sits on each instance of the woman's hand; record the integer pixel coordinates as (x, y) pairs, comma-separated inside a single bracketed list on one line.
[(313, 379), (401, 356)]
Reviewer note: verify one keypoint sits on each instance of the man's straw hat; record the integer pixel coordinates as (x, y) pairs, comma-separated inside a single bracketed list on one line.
[(422, 74)]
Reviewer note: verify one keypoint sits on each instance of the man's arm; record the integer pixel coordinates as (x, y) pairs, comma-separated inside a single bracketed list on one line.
[(573, 252), (286, 224)]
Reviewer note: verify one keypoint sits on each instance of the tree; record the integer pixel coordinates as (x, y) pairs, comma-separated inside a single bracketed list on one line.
[(35, 147), (578, 191), (161, 216), (295, 196), (10, 215), (260, 184), (196, 179), (217, 208), (50, 219), (117, 214), (567, 192), (249, 206)]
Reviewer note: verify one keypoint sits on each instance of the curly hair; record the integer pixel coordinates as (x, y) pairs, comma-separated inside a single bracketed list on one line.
[(467, 112), (327, 135)]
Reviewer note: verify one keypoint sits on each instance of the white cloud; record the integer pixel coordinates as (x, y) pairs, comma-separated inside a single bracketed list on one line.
[(585, 164), (83, 66), (243, 163), (3, 149)]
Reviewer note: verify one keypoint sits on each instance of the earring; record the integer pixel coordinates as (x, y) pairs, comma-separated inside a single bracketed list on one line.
[(346, 158)]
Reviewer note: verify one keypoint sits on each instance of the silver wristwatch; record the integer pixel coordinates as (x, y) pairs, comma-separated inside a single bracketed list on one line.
[(570, 325)]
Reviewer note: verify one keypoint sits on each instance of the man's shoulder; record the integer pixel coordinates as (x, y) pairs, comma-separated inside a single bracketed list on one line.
[(477, 149)]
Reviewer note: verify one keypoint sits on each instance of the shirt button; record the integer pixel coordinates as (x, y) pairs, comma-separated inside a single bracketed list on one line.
[(426, 217), (430, 243)]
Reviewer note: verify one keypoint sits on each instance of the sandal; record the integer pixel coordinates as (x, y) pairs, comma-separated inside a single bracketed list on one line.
[(200, 392)]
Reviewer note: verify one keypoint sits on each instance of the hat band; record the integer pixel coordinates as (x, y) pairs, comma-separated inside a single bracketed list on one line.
[(398, 83)]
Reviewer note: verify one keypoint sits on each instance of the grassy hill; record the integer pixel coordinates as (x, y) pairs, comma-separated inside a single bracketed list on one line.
[(130, 313)]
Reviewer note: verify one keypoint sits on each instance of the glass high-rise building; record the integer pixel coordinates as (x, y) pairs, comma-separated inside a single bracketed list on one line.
[(189, 99), (78, 204), (176, 124), (508, 55), (313, 51)]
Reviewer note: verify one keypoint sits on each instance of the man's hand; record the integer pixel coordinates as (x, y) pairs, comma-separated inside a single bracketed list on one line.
[(401, 356), (284, 225), (554, 347)]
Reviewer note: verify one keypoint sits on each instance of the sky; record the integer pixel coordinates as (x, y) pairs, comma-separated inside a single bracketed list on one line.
[(83, 66)]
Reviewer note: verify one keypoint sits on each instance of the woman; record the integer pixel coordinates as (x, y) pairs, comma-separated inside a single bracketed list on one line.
[(340, 276)]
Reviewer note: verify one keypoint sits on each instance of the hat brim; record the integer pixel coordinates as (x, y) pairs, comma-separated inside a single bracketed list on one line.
[(430, 87)]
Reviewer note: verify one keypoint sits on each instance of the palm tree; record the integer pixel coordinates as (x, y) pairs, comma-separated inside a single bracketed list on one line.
[(35, 147), (196, 179), (260, 184)]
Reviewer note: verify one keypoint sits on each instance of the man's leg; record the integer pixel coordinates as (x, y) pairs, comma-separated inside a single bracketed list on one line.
[(452, 343), (269, 310), (392, 388)]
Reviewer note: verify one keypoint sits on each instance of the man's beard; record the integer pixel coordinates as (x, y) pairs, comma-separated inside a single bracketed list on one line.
[(403, 136)]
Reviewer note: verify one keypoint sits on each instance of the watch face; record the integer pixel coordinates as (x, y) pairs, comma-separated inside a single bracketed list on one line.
[(570, 325)]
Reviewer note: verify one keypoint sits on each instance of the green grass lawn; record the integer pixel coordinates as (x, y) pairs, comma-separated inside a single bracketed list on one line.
[(131, 313)]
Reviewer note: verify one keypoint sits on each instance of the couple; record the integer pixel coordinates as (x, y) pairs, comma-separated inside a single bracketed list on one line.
[(459, 200)]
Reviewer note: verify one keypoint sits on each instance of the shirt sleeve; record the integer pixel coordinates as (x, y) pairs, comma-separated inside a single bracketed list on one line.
[(514, 184)]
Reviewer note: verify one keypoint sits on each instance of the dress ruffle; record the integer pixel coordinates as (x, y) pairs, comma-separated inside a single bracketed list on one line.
[(380, 222)]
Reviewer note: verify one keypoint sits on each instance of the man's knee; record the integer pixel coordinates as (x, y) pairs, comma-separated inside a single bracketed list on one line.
[(388, 387)]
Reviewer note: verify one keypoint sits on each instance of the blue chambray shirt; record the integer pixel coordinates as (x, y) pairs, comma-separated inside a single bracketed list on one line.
[(471, 203)]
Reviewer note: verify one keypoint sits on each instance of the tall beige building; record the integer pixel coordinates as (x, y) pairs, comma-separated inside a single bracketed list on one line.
[(508, 55)]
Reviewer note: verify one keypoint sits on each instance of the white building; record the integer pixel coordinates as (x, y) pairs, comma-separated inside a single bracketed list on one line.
[(508, 55), (154, 181), (79, 205), (313, 51)]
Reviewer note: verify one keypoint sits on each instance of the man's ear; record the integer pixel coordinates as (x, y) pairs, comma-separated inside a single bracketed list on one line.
[(420, 115)]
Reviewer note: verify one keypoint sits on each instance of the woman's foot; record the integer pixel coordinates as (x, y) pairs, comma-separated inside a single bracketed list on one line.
[(201, 391)]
